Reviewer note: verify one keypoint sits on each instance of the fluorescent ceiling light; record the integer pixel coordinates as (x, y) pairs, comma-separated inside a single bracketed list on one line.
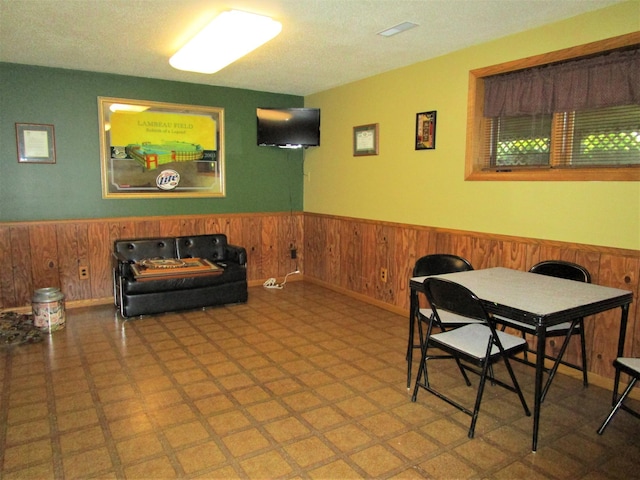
[(118, 107), (230, 36), (401, 27)]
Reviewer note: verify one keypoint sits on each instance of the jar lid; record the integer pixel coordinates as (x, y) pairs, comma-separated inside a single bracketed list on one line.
[(47, 294)]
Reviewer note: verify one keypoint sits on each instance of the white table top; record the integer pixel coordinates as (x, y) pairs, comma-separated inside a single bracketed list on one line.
[(532, 294)]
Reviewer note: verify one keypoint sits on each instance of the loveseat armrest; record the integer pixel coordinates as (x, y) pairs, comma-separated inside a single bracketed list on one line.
[(236, 253), (118, 258), (121, 264)]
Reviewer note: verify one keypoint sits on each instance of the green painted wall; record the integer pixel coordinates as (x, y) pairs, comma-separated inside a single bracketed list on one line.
[(258, 179), (427, 187)]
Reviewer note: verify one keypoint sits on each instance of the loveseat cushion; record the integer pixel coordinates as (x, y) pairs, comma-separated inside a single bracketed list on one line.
[(212, 247), (231, 273), (135, 250)]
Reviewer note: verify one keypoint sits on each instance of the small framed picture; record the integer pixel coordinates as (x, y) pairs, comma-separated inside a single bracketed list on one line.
[(36, 143), (365, 140), (426, 130)]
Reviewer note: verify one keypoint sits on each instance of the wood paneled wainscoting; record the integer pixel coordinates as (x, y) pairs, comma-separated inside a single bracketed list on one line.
[(52, 253), (347, 254), (341, 253)]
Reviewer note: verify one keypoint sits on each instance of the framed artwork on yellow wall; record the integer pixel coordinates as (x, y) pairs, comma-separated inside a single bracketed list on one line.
[(156, 149), (365, 140), (426, 130)]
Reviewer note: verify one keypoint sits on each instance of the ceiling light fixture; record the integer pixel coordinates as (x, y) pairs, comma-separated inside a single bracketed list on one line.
[(230, 36), (119, 107), (401, 27)]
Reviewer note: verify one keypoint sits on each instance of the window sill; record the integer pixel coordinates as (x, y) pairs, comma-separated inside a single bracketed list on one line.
[(570, 175)]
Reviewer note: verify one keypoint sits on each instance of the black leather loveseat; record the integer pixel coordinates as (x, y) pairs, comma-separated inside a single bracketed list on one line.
[(174, 292)]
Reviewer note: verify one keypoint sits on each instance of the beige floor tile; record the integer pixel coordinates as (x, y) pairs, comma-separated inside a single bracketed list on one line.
[(40, 471), (20, 456), (178, 413), (213, 404), (382, 424), (74, 441), (324, 417), (185, 434), (286, 429), (302, 401), (200, 457), (157, 468), (77, 419), (348, 437), (186, 377), (309, 451), (448, 466), (27, 431), (245, 441), (230, 421), (445, 431), (200, 389), (87, 464), (139, 447), (267, 465), (413, 445), (24, 413), (377, 461), (335, 470), (130, 426)]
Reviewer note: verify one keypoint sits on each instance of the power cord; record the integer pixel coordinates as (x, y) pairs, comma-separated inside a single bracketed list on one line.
[(271, 283)]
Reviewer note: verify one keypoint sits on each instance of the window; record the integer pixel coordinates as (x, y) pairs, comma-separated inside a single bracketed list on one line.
[(568, 115)]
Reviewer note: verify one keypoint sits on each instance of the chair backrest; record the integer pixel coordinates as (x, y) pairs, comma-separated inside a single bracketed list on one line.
[(455, 298), (562, 269), (440, 263)]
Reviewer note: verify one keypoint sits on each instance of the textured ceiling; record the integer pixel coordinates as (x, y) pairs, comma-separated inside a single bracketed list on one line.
[(323, 44)]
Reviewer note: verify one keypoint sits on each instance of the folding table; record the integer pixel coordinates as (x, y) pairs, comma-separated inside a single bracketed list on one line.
[(539, 300)]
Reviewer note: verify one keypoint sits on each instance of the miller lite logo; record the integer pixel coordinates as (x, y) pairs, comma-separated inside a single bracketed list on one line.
[(168, 180)]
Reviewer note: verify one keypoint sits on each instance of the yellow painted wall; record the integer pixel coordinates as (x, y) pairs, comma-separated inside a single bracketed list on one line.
[(427, 187)]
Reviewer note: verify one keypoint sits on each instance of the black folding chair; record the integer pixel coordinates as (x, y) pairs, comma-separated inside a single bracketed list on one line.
[(630, 366), (569, 271), (435, 264), (479, 345)]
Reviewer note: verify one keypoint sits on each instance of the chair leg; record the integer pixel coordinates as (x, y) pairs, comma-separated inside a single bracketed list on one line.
[(516, 386), (422, 371), (563, 349), (476, 408), (617, 406)]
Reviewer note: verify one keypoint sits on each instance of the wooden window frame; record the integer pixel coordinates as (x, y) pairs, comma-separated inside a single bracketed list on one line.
[(475, 120)]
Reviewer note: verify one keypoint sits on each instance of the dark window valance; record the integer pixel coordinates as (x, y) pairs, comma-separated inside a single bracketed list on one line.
[(606, 80)]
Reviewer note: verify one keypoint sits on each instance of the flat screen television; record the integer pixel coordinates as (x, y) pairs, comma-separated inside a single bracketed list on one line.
[(288, 127)]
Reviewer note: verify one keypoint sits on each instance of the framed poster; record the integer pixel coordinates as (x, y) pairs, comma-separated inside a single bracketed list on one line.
[(155, 149), (365, 140), (426, 130), (36, 143)]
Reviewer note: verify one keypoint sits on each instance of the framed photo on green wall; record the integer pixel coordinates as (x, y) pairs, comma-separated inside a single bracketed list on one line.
[(156, 149), (36, 143)]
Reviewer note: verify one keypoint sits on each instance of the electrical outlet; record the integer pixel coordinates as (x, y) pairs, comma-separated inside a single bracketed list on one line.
[(294, 253), (383, 274), (83, 271)]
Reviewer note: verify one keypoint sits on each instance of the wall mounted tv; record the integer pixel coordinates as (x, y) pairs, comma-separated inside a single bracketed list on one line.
[(288, 127)]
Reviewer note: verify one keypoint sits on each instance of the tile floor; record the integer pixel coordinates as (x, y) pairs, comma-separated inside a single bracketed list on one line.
[(298, 383)]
